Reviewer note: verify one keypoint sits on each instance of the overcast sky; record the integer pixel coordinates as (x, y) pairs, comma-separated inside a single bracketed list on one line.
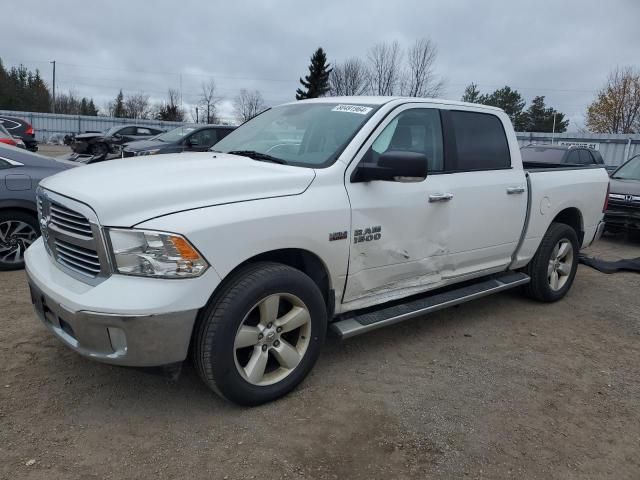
[(560, 49)]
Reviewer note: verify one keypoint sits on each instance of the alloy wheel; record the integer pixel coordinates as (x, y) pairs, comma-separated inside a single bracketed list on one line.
[(272, 339), (15, 238), (560, 264)]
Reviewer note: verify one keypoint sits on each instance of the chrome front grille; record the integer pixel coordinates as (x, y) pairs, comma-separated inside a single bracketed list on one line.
[(66, 219), (81, 260), (72, 236)]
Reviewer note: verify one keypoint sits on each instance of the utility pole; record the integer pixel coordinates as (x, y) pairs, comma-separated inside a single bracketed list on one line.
[(553, 133), (53, 109), (197, 115)]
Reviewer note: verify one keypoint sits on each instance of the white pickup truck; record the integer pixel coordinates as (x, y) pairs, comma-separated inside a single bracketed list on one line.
[(346, 214)]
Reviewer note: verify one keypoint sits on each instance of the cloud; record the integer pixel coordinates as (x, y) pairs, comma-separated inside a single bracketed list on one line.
[(563, 50)]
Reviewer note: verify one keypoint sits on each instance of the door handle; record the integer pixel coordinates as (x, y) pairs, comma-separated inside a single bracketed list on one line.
[(515, 190), (440, 197)]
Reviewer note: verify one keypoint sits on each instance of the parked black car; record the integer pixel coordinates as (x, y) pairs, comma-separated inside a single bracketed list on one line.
[(20, 174), (99, 145), (623, 211), (191, 138), (21, 129), (559, 154)]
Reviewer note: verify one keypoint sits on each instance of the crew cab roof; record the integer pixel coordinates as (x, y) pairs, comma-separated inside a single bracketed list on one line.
[(375, 100)]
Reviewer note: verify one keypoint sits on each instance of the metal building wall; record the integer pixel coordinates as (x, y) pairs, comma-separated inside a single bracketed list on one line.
[(614, 148)]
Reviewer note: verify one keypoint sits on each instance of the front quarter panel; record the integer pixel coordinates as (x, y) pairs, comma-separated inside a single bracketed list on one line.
[(228, 235)]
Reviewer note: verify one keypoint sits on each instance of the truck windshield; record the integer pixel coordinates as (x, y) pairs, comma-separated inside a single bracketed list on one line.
[(629, 171), (304, 134)]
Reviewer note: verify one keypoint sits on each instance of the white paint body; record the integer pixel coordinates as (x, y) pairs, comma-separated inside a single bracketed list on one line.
[(233, 208)]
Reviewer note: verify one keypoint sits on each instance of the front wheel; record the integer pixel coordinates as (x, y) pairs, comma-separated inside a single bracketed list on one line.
[(553, 267), (261, 333), (18, 230)]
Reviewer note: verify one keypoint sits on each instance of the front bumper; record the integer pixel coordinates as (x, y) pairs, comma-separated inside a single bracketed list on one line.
[(129, 321), (622, 218)]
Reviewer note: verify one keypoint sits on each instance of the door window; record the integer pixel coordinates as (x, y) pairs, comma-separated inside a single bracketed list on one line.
[(144, 131), (127, 131), (586, 158), (417, 130), (480, 141), (204, 138), (573, 157)]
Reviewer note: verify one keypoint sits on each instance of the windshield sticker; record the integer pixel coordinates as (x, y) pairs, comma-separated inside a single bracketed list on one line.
[(359, 109)]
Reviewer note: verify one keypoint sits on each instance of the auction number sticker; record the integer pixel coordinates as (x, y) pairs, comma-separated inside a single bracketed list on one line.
[(359, 109)]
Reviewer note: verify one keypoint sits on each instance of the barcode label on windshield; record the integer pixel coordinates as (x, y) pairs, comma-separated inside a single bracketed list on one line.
[(352, 109)]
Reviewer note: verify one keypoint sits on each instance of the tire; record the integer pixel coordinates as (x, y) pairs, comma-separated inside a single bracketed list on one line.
[(233, 333), (99, 151), (543, 285), (18, 230)]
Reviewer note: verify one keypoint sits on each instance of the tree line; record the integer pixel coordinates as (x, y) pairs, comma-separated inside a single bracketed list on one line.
[(387, 69)]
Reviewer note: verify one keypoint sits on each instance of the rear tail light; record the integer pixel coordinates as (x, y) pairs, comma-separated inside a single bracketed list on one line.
[(606, 199), (29, 130)]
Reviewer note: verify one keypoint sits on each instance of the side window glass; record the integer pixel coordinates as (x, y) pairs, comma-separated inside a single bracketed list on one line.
[(417, 130), (204, 138), (480, 141), (4, 164), (586, 158), (127, 131), (573, 157), (144, 131)]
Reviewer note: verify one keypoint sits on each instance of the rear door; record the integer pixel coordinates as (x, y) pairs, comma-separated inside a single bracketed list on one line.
[(489, 196)]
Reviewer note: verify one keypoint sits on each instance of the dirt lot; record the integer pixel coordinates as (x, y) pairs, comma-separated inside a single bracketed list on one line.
[(500, 388)]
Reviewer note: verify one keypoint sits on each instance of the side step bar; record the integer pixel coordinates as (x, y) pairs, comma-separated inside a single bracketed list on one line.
[(365, 322)]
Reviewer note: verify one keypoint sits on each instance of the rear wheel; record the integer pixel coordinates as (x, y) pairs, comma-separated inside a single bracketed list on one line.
[(18, 230), (261, 333), (553, 267)]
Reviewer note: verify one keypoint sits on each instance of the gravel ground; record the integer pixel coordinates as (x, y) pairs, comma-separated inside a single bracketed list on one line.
[(499, 388)]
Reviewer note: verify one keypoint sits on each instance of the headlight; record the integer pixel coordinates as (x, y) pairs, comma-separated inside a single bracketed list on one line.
[(154, 254), (147, 152)]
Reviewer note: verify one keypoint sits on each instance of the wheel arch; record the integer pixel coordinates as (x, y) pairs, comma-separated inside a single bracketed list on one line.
[(572, 217), (303, 260)]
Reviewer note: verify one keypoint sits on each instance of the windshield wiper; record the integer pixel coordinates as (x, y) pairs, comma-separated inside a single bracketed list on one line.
[(262, 157)]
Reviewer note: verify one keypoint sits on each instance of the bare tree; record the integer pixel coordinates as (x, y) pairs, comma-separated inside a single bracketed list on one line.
[(349, 78), (137, 105), (208, 101), (419, 79), (617, 106), (384, 68), (248, 104)]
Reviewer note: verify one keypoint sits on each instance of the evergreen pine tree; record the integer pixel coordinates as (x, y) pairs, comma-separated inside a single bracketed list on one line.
[(540, 118), (471, 94), (118, 109), (316, 84)]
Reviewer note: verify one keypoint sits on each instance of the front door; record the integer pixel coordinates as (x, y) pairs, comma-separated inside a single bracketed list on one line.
[(400, 229)]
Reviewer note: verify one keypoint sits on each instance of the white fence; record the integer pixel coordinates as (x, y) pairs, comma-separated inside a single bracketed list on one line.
[(615, 149), (47, 124)]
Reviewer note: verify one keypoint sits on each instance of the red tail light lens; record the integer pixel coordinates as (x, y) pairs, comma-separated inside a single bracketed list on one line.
[(606, 199), (29, 130)]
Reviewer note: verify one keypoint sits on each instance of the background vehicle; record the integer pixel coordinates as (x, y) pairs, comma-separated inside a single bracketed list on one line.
[(348, 213), (623, 211), (20, 173), (543, 154), (7, 138), (187, 138), (99, 145), (22, 129)]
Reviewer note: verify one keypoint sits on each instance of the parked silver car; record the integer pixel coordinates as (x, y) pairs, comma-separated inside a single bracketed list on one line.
[(20, 174)]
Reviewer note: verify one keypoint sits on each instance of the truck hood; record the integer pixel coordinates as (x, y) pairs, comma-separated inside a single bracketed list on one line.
[(125, 192), (629, 187)]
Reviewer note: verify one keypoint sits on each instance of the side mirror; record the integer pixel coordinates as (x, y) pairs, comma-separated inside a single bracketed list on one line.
[(392, 164)]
